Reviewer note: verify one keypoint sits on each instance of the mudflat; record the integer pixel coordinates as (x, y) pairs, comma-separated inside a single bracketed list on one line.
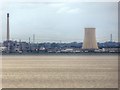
[(60, 71)]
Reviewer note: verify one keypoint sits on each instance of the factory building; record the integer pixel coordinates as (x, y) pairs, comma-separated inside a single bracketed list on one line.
[(13, 46)]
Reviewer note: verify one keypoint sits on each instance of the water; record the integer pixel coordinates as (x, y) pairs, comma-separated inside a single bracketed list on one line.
[(70, 71)]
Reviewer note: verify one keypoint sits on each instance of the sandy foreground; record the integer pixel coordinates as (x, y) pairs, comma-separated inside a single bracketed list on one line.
[(60, 71)]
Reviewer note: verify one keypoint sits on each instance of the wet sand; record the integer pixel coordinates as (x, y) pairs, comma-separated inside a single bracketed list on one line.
[(60, 71)]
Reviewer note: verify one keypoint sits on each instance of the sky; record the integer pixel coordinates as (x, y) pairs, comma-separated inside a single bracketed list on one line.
[(60, 21)]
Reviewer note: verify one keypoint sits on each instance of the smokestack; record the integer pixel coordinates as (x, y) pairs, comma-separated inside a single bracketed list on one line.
[(8, 31), (111, 37), (33, 38), (29, 39), (90, 39)]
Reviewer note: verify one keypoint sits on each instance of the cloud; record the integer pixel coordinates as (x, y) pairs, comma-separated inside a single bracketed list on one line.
[(68, 10), (59, 1), (57, 5), (76, 10), (63, 10)]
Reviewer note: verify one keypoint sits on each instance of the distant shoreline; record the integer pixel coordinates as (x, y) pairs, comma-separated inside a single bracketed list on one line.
[(61, 54)]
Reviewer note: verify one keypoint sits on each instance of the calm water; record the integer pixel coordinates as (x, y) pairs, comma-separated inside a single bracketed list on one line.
[(60, 71)]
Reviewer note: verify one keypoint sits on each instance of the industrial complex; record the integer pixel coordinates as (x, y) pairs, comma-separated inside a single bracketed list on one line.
[(89, 45)]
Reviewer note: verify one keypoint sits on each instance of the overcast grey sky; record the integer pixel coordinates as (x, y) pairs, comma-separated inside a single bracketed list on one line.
[(54, 22)]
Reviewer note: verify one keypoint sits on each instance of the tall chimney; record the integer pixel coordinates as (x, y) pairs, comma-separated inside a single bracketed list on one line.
[(29, 39), (8, 31), (111, 37), (33, 38)]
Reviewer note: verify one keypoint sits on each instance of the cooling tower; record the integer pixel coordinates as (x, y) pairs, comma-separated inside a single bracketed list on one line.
[(90, 39)]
